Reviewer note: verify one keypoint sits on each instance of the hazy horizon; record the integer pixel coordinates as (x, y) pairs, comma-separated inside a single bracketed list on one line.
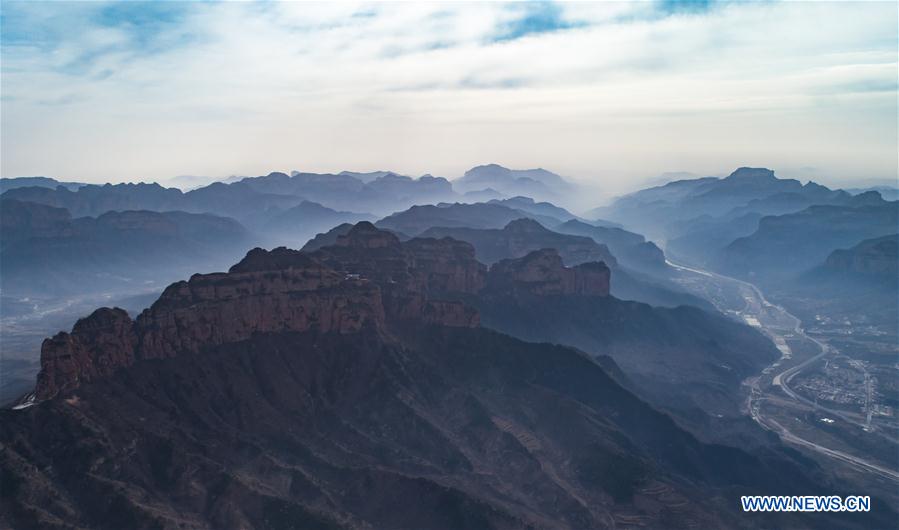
[(606, 94)]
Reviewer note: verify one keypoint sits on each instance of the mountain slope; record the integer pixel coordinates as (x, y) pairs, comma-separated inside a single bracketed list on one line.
[(872, 257), (786, 245), (631, 249), (681, 358)]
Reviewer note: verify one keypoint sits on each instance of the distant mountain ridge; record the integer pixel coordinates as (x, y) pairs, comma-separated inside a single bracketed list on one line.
[(706, 221), (418, 219), (522, 236), (544, 209), (43, 182), (47, 251), (789, 244), (676, 205), (247, 198), (538, 183)]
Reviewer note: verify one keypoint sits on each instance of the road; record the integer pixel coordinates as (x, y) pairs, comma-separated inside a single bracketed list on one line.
[(775, 322)]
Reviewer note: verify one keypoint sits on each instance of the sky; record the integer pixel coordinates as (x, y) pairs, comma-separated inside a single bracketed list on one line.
[(604, 93)]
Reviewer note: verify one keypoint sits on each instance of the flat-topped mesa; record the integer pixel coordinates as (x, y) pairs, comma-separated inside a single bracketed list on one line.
[(542, 273), (753, 173), (214, 309), (98, 345), (210, 310)]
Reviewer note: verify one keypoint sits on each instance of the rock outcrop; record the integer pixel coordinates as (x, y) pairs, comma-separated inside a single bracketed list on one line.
[(542, 273), (446, 265), (214, 309), (410, 273), (97, 346), (367, 279)]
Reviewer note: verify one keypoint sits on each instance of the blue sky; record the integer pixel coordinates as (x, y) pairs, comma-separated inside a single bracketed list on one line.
[(603, 92)]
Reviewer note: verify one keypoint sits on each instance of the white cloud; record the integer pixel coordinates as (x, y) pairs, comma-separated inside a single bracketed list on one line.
[(246, 88)]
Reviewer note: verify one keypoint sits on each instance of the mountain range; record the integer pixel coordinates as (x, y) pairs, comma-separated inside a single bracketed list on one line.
[(752, 223), (324, 389), (671, 210)]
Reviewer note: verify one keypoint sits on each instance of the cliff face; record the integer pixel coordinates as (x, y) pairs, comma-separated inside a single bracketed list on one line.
[(368, 279), (542, 273), (446, 265), (411, 274), (214, 309), (872, 257), (97, 346)]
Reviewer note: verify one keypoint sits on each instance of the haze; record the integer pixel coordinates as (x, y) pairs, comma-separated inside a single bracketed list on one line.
[(603, 93)]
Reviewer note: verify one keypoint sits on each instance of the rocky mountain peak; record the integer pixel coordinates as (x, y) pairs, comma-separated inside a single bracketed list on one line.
[(365, 235)]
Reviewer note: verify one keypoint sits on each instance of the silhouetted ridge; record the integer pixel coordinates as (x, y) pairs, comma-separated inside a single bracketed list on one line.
[(365, 235), (525, 226)]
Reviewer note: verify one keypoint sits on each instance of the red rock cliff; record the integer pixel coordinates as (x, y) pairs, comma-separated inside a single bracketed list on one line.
[(215, 309), (367, 278), (97, 346)]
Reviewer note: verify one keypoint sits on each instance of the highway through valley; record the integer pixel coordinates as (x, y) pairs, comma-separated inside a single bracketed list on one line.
[(745, 301)]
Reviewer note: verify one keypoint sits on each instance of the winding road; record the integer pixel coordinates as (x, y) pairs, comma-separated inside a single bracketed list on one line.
[(775, 322)]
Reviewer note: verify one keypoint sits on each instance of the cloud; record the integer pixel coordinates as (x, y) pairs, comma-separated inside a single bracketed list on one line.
[(685, 6), (533, 18), (600, 90)]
